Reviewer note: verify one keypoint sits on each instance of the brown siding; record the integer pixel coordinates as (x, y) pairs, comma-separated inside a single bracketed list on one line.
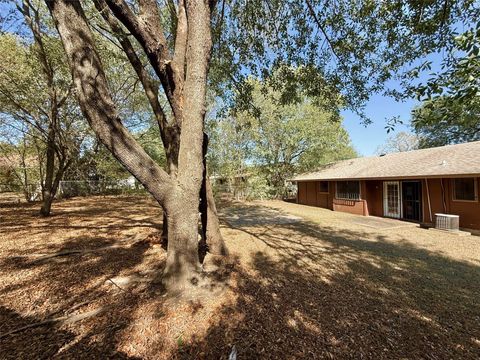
[(322, 198), (331, 196), (469, 211), (436, 200), (302, 193), (441, 201), (311, 193), (374, 197)]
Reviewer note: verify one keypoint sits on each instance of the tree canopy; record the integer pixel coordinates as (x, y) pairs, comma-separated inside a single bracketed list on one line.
[(328, 48), (278, 141), (450, 111), (447, 120)]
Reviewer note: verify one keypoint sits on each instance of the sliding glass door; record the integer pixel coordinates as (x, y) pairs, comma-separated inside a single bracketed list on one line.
[(392, 201)]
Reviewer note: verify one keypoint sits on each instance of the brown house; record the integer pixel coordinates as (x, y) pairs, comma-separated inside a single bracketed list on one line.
[(413, 185)]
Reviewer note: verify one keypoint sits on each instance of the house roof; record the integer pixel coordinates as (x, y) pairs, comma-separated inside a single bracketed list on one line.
[(450, 160)]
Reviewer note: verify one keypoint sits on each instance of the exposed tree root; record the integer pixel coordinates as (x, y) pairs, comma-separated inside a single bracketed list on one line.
[(68, 319), (30, 326), (45, 257), (116, 285)]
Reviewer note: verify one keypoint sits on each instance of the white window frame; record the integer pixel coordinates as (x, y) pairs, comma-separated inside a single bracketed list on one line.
[(385, 199)]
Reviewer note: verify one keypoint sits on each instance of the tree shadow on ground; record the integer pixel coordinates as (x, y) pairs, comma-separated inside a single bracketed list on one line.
[(65, 285), (78, 274), (45, 342), (319, 292), (120, 211), (306, 291)]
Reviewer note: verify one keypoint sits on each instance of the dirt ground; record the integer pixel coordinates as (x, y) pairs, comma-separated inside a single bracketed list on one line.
[(301, 282)]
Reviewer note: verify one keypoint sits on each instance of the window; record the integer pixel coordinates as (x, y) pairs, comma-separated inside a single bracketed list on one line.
[(348, 190), (323, 187), (465, 189)]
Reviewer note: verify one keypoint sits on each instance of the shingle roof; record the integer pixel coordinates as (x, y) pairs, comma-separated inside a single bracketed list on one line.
[(450, 160)]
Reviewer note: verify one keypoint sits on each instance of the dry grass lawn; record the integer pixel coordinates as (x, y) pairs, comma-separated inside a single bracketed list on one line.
[(319, 287)]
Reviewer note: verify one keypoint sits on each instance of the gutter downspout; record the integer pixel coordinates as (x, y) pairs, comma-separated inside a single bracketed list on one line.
[(443, 196), (428, 198)]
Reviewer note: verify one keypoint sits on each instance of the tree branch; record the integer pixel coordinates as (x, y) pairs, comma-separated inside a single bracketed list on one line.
[(146, 29), (147, 82), (178, 61), (320, 26), (96, 102)]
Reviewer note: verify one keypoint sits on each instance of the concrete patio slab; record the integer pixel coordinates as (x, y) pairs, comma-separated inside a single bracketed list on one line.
[(381, 223), (257, 216)]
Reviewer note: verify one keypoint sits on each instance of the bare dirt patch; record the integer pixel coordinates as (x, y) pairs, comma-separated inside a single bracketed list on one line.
[(320, 286)]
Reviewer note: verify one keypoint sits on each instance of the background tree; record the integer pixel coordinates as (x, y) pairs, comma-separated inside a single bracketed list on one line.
[(446, 120), (278, 140), (97, 163), (36, 101), (20, 165), (399, 142)]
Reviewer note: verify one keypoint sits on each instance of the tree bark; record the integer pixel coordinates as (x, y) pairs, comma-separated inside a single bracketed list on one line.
[(182, 267), (190, 155), (47, 196), (169, 131), (179, 196), (215, 242), (212, 239)]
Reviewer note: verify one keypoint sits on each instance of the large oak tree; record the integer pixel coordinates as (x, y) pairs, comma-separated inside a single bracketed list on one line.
[(342, 48)]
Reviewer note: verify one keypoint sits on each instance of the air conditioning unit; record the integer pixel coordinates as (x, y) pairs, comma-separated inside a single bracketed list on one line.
[(447, 222)]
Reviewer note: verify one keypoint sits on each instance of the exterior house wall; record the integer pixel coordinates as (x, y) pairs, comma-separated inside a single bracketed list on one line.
[(374, 197), (437, 203), (302, 192), (311, 193), (323, 198), (357, 207), (469, 211), (441, 199), (438, 199)]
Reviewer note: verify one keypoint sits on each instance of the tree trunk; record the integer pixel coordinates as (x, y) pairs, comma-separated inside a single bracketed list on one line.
[(178, 196), (169, 131), (216, 244), (47, 196), (171, 144), (212, 239), (182, 268)]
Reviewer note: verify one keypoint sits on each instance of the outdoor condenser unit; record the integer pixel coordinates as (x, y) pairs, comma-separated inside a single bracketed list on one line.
[(447, 222)]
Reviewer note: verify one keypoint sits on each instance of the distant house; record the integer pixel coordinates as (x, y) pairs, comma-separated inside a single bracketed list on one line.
[(237, 185), (413, 185)]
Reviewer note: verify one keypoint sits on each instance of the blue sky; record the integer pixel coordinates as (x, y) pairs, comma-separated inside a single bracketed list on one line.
[(366, 139), (379, 109)]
